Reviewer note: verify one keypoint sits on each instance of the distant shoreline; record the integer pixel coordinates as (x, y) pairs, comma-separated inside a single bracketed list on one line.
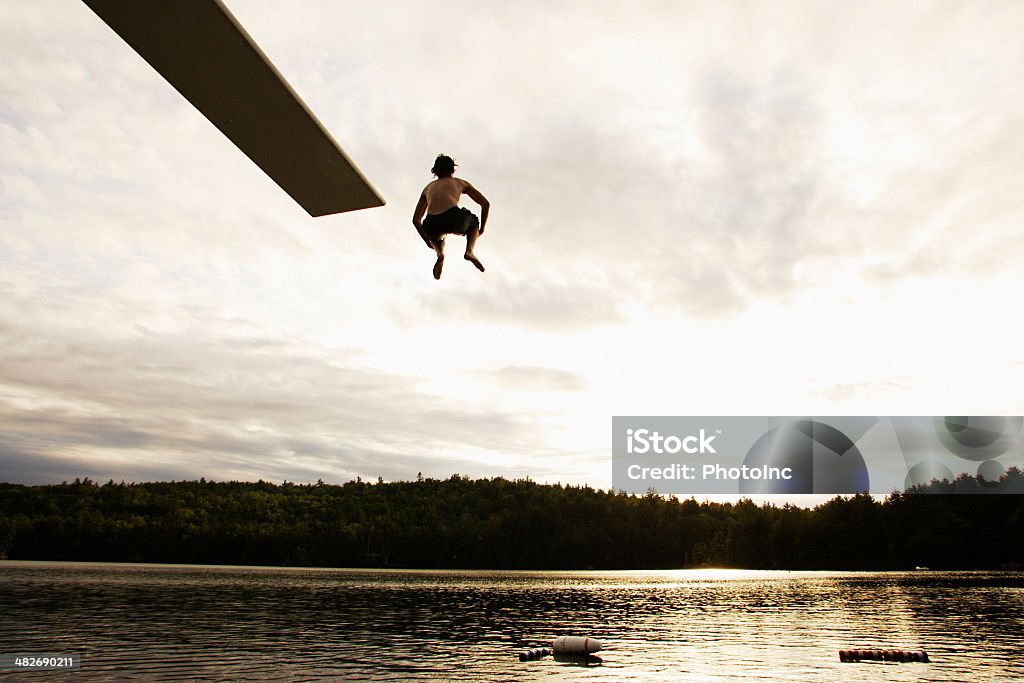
[(497, 524), (683, 574)]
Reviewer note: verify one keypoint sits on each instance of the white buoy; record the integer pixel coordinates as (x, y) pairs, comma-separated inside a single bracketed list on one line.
[(575, 645)]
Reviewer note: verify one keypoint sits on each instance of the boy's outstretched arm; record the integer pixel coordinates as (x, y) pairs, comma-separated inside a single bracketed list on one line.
[(485, 205)]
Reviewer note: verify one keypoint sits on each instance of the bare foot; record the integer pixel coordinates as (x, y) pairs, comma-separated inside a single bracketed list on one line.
[(475, 261), (437, 267)]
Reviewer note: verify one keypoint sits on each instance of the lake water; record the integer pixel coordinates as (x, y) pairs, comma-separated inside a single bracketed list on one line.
[(180, 623)]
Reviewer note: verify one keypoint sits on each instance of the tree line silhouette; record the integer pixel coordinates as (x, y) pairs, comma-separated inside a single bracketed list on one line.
[(503, 524)]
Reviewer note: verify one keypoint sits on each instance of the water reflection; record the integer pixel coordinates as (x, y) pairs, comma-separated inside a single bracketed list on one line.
[(162, 623)]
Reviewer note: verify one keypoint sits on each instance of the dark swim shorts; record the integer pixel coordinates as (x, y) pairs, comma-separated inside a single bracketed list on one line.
[(455, 221)]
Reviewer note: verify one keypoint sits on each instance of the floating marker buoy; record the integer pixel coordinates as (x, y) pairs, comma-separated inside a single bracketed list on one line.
[(536, 653), (883, 656), (575, 645)]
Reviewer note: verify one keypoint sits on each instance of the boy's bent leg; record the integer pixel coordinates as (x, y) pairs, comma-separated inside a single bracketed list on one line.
[(438, 245), (470, 243)]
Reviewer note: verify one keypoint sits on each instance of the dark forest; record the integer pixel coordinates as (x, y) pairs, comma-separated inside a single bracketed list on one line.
[(502, 524)]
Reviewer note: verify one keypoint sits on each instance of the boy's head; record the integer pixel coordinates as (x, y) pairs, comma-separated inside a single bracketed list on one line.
[(444, 166)]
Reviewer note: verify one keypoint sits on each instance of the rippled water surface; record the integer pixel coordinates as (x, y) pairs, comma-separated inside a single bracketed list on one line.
[(176, 623)]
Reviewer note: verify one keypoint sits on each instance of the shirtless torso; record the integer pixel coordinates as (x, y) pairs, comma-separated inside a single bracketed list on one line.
[(444, 193)]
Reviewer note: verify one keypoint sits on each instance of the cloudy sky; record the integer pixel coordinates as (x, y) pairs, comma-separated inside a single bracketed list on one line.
[(750, 208)]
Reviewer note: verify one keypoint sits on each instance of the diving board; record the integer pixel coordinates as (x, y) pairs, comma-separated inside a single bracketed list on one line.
[(202, 50)]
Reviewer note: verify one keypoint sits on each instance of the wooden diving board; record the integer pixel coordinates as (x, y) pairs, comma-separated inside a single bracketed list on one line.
[(202, 50)]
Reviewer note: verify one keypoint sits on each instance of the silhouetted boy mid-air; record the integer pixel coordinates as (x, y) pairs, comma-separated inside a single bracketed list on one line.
[(440, 201)]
